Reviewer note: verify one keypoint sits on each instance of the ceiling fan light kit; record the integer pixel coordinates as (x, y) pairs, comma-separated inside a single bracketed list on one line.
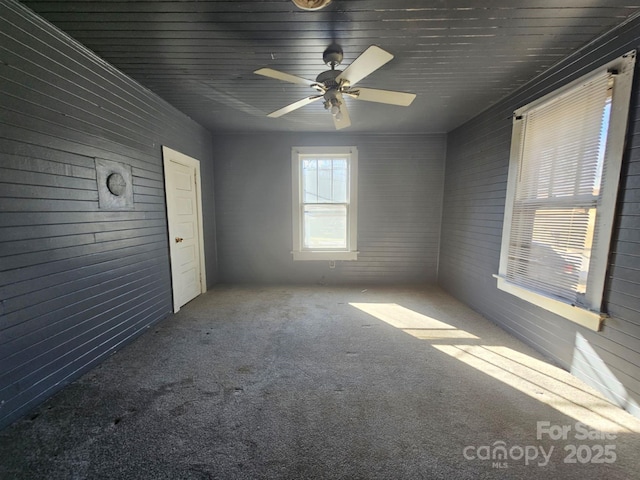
[(332, 84), (311, 4)]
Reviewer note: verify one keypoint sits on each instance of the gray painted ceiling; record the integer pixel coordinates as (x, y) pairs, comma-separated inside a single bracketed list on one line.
[(458, 56)]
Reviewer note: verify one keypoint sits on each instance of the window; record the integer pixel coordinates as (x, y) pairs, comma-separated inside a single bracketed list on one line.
[(566, 154), (325, 203)]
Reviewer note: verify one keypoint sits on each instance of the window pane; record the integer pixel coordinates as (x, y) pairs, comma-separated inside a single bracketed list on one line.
[(310, 180), (325, 227), (604, 132), (564, 146), (556, 260), (340, 180), (324, 181)]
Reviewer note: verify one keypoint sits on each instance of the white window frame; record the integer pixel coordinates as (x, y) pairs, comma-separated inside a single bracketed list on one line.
[(299, 252), (591, 317)]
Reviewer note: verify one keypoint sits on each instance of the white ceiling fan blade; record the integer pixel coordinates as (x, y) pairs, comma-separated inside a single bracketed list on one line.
[(368, 62), (383, 96), (294, 106), (285, 77), (342, 120)]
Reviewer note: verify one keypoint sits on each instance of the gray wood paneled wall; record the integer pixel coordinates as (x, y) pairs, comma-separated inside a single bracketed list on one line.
[(400, 201), (76, 281), (475, 187)]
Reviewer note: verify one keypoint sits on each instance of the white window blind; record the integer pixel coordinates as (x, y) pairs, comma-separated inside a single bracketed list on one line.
[(564, 170), (557, 191)]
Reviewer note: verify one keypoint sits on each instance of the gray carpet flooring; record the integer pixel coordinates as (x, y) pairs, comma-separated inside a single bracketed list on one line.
[(323, 382)]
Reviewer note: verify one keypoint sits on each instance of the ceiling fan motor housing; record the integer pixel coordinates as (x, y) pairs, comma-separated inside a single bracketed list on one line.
[(328, 78)]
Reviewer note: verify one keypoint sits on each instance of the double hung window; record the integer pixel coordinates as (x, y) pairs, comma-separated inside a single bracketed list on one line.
[(563, 180), (324, 203)]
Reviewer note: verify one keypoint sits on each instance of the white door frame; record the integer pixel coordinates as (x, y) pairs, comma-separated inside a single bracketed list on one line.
[(169, 155)]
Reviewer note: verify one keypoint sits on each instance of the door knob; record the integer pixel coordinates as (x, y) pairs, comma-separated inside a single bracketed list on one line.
[(179, 239)]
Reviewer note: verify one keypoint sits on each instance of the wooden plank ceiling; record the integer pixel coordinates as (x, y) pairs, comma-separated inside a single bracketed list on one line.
[(458, 56)]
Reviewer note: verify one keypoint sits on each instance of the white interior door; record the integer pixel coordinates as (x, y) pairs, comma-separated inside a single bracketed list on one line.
[(184, 212)]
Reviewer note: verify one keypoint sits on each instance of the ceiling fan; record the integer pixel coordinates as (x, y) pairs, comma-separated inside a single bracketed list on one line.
[(332, 85)]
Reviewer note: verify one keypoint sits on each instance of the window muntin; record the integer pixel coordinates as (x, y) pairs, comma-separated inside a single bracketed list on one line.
[(563, 176), (324, 216)]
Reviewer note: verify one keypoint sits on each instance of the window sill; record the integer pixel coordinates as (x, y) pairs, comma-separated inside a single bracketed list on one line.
[(586, 318), (326, 255)]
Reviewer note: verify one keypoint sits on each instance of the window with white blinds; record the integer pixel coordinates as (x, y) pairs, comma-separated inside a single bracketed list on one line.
[(563, 179)]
